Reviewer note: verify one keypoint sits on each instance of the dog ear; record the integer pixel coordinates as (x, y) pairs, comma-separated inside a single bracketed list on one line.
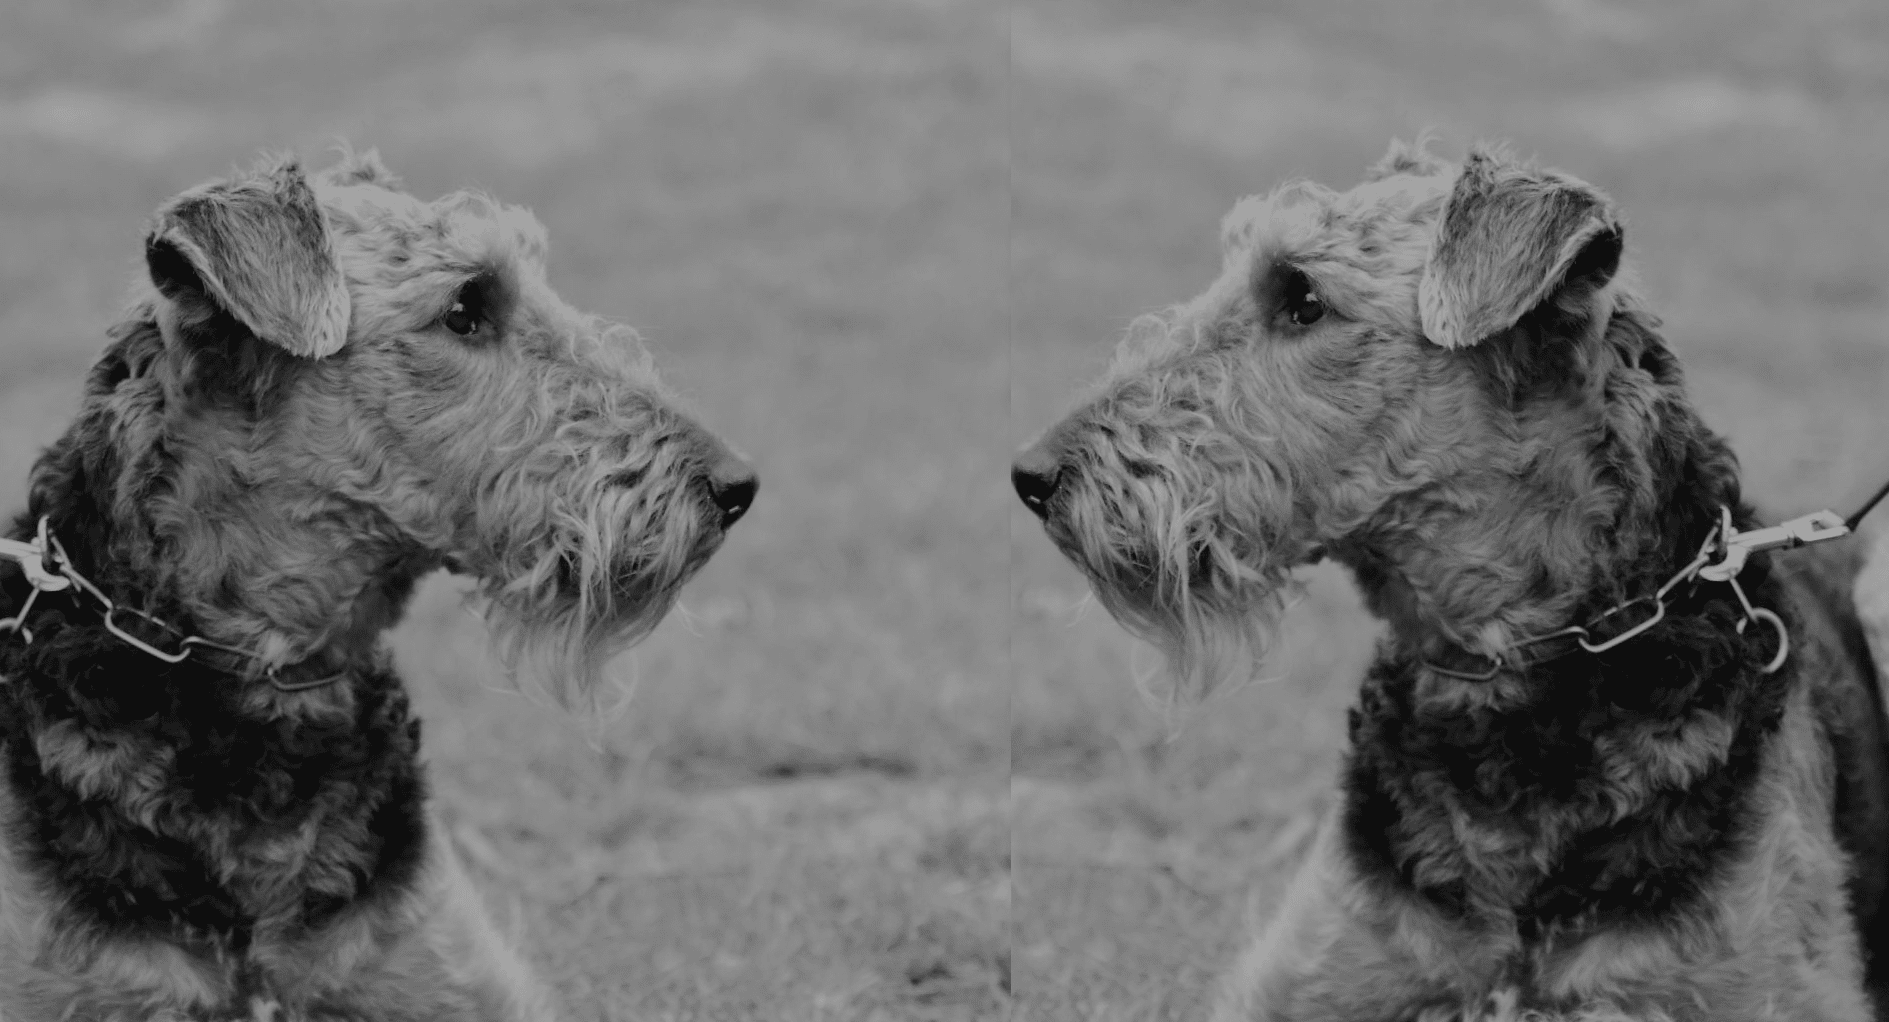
[(257, 247), (1510, 238)]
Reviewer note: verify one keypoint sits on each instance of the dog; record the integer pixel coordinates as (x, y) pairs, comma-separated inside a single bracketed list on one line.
[(213, 804), (1608, 763)]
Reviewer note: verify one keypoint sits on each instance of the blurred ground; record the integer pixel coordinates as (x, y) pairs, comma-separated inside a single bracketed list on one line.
[(803, 815), (1748, 145)]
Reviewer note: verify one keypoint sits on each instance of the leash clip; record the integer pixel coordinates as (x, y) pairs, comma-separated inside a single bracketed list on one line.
[(1800, 531), (1739, 546), (31, 557)]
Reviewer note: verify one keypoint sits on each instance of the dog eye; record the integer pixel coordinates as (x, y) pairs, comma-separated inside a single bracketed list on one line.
[(1301, 303), (467, 314)]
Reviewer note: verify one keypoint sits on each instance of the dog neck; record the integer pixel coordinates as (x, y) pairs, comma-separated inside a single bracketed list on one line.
[(1612, 486), (160, 523)]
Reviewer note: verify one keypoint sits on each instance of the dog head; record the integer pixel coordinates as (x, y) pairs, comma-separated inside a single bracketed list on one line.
[(1436, 377), (334, 386)]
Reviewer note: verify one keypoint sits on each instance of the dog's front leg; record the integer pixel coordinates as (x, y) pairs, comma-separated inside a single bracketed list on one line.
[(1334, 952), (448, 962), (482, 963)]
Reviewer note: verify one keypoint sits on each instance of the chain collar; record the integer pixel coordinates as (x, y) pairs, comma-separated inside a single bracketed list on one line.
[(1731, 548), (49, 570)]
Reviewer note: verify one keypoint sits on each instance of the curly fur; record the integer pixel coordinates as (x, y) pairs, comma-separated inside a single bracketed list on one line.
[(190, 841), (1485, 426)]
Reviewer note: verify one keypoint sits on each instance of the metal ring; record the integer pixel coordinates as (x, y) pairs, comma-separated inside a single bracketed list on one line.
[(1783, 638)]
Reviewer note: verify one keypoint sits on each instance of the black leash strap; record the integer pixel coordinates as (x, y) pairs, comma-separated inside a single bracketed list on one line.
[(1856, 517)]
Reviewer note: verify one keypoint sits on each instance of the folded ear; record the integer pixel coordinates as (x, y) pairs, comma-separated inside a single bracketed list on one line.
[(257, 247), (1511, 237)]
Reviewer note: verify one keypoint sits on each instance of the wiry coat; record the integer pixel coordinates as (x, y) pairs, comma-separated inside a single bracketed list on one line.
[(1438, 380), (278, 442)]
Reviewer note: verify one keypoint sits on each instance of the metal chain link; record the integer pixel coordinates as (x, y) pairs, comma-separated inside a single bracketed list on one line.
[(49, 569)]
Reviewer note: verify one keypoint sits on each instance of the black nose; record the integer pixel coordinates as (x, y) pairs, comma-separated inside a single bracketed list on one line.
[(732, 484), (1035, 474)]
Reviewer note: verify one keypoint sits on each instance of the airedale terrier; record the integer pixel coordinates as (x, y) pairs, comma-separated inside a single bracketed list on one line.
[(1586, 779), (213, 806)]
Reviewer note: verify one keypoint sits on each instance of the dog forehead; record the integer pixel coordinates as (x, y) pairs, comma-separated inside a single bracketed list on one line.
[(1304, 216), (462, 227), (1363, 249)]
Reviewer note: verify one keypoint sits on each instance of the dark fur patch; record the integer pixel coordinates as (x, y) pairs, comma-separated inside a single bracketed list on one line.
[(154, 861), (1543, 774)]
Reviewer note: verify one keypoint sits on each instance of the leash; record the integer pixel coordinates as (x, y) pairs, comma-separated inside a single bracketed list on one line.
[(1731, 548), (49, 570), (1856, 518)]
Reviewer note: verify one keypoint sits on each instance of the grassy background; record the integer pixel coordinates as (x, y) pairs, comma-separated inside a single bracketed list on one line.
[(877, 245), (1748, 145), (802, 816)]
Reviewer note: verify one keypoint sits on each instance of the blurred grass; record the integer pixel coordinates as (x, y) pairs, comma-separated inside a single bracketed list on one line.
[(1748, 146), (803, 814)]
